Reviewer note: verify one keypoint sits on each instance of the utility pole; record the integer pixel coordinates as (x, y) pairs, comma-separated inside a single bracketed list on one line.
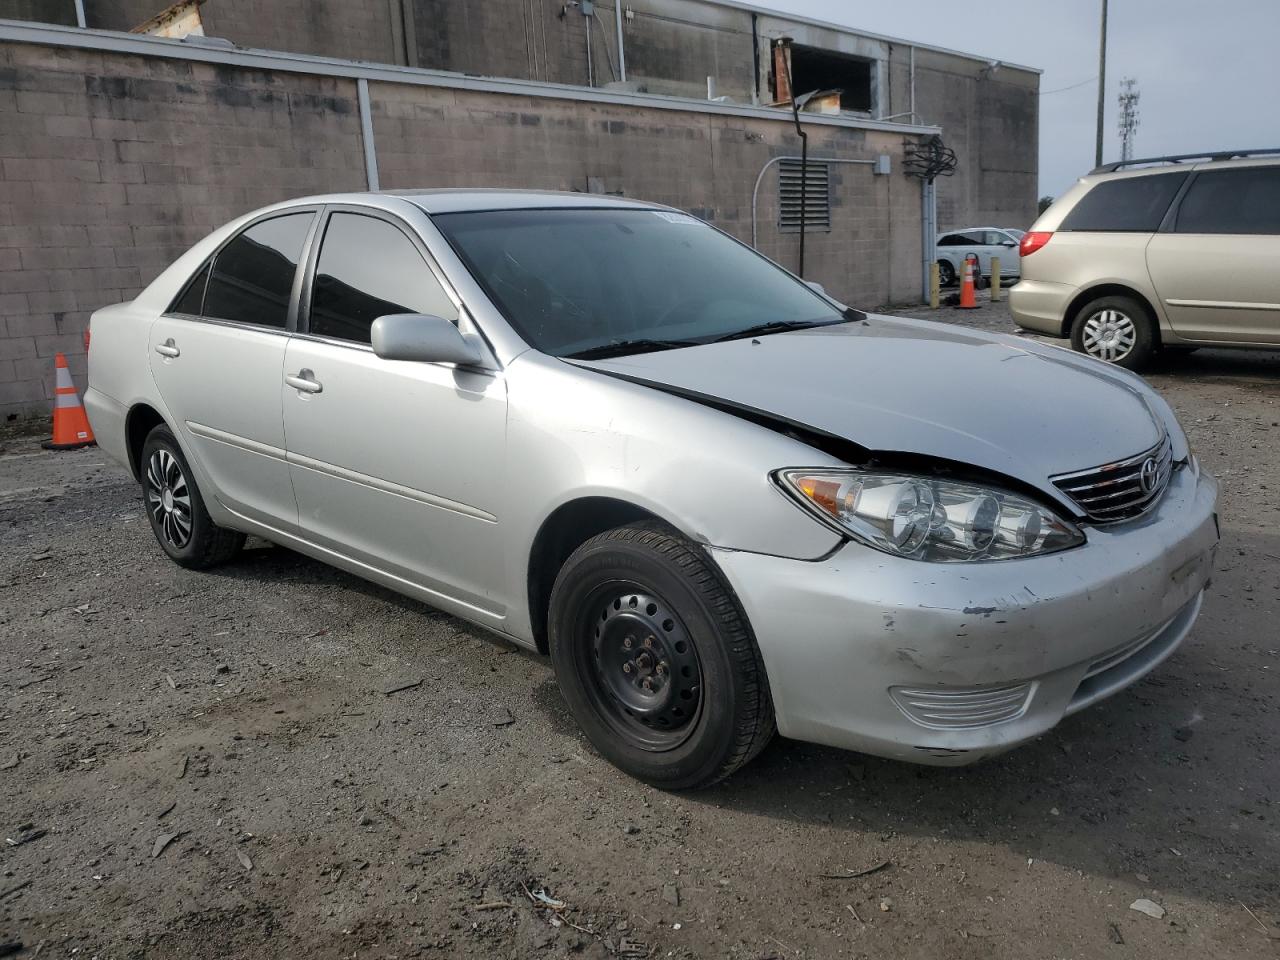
[(1129, 96), (1102, 85)]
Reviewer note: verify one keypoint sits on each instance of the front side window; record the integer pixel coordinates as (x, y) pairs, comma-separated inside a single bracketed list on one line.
[(1245, 201), (587, 282), (253, 275), (1130, 204), (368, 268)]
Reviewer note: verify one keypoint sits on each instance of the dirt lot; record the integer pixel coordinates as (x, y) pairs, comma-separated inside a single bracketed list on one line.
[(243, 714)]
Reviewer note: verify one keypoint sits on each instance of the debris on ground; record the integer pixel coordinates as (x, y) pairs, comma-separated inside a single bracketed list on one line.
[(166, 811), (1113, 932), (854, 874), (399, 687), (503, 717), (11, 764), (26, 834), (1183, 734), (244, 859), (164, 840), (1149, 907), (182, 766), (886, 905), (9, 947), (671, 894), (173, 684)]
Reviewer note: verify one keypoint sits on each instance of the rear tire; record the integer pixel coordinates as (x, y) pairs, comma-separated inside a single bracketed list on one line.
[(946, 273), (656, 659), (1115, 330), (176, 510)]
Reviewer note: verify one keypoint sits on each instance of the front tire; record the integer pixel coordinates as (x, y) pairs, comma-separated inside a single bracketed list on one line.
[(946, 273), (176, 510), (656, 659), (1115, 330)]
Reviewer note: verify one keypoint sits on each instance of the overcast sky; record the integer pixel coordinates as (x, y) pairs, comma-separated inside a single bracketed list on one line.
[(1209, 72)]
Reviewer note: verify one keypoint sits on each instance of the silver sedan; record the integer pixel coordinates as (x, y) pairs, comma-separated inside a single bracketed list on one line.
[(723, 502)]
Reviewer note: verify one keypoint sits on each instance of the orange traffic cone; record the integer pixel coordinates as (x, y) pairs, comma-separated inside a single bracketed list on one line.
[(70, 424), (967, 300)]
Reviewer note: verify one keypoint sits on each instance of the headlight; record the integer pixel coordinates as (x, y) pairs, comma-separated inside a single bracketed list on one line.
[(928, 519)]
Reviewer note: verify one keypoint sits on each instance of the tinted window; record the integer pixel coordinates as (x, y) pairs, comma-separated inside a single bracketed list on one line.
[(580, 280), (1232, 201), (253, 274), (994, 238), (1136, 204), (368, 269), (192, 300)]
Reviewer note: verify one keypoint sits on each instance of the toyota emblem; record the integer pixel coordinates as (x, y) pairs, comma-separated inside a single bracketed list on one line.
[(1149, 476)]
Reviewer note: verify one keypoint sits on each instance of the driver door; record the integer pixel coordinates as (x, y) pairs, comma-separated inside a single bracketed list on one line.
[(395, 464)]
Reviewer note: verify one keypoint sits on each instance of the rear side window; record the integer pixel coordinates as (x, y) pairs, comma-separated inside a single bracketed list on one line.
[(1232, 201), (192, 300), (253, 274), (1133, 204), (368, 268)]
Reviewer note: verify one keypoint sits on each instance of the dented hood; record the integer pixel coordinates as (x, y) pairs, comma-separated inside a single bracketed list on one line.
[(997, 402)]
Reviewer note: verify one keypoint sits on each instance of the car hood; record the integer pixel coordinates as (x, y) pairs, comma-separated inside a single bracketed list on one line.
[(997, 402)]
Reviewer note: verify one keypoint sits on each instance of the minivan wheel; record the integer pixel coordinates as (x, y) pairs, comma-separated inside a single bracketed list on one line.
[(1115, 330), (656, 660), (176, 510), (946, 273)]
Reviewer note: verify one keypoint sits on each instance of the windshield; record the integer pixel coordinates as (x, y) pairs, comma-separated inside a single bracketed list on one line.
[(611, 281)]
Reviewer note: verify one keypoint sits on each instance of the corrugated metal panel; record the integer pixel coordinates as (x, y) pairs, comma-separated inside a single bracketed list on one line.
[(817, 197)]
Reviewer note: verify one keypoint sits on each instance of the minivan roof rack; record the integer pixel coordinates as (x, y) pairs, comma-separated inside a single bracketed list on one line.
[(1184, 157)]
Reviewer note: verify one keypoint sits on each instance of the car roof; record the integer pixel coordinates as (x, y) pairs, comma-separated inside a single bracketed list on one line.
[(964, 229)]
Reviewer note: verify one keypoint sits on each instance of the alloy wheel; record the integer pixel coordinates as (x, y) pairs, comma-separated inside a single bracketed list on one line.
[(643, 673), (169, 498), (1109, 335)]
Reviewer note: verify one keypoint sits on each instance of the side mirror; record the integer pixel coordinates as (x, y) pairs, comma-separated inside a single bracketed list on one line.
[(816, 287), (1007, 243), (423, 338)]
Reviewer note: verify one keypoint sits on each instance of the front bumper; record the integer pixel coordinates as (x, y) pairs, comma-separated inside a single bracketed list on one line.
[(949, 663)]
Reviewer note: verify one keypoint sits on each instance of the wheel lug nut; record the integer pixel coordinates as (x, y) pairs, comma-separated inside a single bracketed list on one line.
[(627, 642), (626, 668), (647, 684), (662, 668), (648, 642)]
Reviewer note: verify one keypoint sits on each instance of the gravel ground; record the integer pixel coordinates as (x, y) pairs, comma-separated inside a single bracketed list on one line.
[(242, 716)]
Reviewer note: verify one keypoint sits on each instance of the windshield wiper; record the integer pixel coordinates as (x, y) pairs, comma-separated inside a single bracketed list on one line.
[(773, 326), (619, 348)]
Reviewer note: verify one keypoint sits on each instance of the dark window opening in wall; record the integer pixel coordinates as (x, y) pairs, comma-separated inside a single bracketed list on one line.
[(817, 197), (814, 69)]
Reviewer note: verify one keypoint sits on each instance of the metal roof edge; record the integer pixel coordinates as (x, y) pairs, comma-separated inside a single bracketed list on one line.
[(854, 31), (110, 41)]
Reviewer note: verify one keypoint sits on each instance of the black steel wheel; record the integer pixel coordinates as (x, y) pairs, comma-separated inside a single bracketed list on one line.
[(644, 675), (175, 509), (656, 660)]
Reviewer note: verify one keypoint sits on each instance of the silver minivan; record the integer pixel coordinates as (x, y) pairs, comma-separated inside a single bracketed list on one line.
[(1169, 253)]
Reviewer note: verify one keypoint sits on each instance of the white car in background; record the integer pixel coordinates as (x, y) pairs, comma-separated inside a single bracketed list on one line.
[(984, 243)]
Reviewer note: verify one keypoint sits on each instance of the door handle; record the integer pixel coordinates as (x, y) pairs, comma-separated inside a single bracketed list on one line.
[(304, 380), (168, 349)]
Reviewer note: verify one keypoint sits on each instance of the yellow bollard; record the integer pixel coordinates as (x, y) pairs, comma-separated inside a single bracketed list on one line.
[(935, 286), (995, 279)]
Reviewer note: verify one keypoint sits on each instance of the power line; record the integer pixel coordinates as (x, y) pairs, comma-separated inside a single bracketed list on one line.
[(1045, 93)]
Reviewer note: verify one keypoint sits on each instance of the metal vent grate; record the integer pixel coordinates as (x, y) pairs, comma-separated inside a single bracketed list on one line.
[(1121, 490), (817, 199)]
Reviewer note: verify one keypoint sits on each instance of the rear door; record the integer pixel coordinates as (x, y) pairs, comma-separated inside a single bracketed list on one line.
[(217, 358), (1217, 265), (395, 464)]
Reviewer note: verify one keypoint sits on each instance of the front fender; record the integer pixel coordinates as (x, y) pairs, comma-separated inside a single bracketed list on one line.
[(575, 433)]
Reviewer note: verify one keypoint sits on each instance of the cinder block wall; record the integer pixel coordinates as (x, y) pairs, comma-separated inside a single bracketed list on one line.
[(112, 165)]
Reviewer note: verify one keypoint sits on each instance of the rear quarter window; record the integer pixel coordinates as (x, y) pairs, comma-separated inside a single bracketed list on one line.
[(1130, 204), (1242, 202)]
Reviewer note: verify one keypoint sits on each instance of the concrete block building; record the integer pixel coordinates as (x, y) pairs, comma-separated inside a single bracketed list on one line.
[(118, 150)]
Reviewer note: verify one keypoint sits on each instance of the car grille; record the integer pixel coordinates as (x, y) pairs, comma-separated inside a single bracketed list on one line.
[(1121, 490)]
